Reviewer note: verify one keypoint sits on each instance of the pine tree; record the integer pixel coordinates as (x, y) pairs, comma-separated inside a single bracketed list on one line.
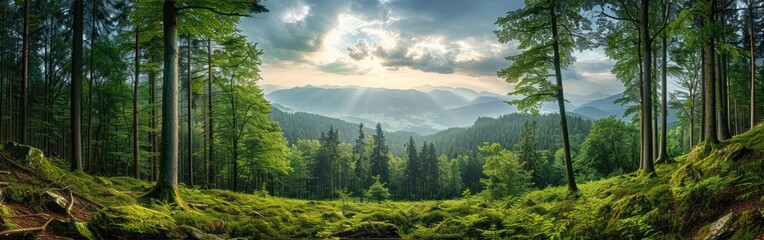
[(380, 165), (326, 160), (412, 169), (529, 155), (432, 170), (359, 149)]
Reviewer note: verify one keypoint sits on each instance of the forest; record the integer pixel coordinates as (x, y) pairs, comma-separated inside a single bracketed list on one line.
[(148, 120)]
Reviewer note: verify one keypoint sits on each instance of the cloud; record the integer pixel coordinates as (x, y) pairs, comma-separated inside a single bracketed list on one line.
[(419, 35), (359, 51), (342, 68), (361, 38)]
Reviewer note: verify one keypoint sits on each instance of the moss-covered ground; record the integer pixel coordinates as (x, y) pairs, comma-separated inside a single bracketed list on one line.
[(714, 191)]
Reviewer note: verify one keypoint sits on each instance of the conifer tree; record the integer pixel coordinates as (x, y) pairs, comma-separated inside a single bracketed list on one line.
[(360, 150), (412, 169), (529, 154), (380, 165)]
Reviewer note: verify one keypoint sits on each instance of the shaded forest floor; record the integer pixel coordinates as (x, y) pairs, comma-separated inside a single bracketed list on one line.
[(715, 192)]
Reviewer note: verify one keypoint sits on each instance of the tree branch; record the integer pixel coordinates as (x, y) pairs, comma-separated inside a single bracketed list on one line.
[(212, 10), (602, 13), (665, 20)]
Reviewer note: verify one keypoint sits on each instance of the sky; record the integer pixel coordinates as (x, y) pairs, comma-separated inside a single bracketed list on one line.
[(400, 44)]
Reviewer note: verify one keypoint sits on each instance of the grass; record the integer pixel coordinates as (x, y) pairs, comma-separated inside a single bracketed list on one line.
[(682, 201)]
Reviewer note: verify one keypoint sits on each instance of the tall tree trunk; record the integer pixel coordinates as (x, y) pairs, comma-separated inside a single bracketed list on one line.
[(709, 81), (561, 101), (647, 102), (3, 128), (11, 133), (210, 119), (152, 122), (752, 42), (190, 129), (166, 189), (662, 150), (76, 87), (701, 128), (24, 109), (641, 96), (735, 116), (136, 152), (723, 113), (724, 126), (90, 94), (235, 142)]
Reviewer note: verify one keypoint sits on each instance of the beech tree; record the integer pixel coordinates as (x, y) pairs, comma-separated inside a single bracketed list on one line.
[(166, 189), (548, 31)]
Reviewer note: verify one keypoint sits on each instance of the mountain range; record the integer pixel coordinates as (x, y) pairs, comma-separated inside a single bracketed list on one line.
[(422, 110)]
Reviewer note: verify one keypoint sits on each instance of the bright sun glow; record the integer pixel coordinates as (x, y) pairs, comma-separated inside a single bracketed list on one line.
[(296, 14)]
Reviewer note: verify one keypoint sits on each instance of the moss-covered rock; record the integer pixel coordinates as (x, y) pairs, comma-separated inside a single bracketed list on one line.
[(75, 230), (133, 221), (719, 228), (55, 202), (30, 157)]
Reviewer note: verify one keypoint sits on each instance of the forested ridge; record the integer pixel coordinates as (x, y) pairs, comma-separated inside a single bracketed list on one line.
[(145, 119)]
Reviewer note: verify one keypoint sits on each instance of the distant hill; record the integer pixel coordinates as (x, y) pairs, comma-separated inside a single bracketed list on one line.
[(421, 111), (466, 116), (504, 130), (602, 108), (299, 125)]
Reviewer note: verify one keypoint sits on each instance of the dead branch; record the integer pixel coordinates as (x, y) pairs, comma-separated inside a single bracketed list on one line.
[(26, 230), (40, 215), (70, 204), (375, 228)]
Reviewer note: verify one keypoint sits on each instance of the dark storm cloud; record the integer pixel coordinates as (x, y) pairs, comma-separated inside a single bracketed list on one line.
[(288, 41)]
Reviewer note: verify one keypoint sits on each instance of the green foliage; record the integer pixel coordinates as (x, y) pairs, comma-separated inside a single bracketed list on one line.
[(505, 175), (530, 156), (379, 158), (344, 195), (377, 191), (133, 220), (611, 148), (532, 27)]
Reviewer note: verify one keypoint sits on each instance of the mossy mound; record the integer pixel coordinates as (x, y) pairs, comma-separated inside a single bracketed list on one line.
[(371, 230), (715, 176), (132, 221)]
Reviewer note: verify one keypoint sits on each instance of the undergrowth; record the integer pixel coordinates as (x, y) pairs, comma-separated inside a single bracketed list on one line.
[(694, 191)]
